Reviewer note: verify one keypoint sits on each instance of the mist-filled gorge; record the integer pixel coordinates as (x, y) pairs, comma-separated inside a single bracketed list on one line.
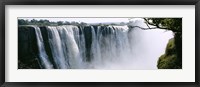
[(43, 44)]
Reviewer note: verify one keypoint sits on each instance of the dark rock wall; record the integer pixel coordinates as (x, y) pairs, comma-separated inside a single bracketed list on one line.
[(28, 56), (27, 48)]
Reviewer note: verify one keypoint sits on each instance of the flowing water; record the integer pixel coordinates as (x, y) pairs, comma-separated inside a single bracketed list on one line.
[(42, 53), (102, 47)]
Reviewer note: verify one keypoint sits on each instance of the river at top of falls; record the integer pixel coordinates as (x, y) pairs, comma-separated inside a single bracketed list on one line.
[(110, 47)]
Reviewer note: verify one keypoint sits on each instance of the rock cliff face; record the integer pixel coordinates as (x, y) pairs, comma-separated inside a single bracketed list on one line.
[(28, 57), (27, 48)]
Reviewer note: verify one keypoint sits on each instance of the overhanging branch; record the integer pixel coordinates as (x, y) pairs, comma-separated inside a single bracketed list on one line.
[(157, 26), (142, 27)]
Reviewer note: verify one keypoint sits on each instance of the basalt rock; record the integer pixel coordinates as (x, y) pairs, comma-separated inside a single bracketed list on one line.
[(27, 48)]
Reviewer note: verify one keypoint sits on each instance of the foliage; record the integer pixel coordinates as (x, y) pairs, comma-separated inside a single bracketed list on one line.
[(170, 49), (60, 23), (169, 59), (172, 59), (23, 22), (174, 24), (47, 22), (168, 62)]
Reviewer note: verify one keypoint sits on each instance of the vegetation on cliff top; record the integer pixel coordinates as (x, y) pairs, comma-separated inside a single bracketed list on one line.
[(58, 23), (172, 59)]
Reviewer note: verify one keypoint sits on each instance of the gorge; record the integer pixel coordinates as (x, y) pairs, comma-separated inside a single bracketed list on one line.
[(90, 47)]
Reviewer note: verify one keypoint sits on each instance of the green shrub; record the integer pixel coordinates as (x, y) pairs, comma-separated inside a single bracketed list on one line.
[(169, 60)]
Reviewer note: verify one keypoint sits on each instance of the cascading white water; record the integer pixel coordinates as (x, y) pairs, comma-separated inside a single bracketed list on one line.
[(42, 53), (106, 47), (64, 46), (140, 51), (110, 45)]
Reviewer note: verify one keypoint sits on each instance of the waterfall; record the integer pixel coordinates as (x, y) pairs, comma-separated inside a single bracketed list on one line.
[(95, 47), (64, 44), (42, 53), (102, 47)]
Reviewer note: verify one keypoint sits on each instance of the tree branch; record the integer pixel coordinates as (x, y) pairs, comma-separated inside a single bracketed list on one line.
[(147, 22), (142, 27), (157, 26)]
